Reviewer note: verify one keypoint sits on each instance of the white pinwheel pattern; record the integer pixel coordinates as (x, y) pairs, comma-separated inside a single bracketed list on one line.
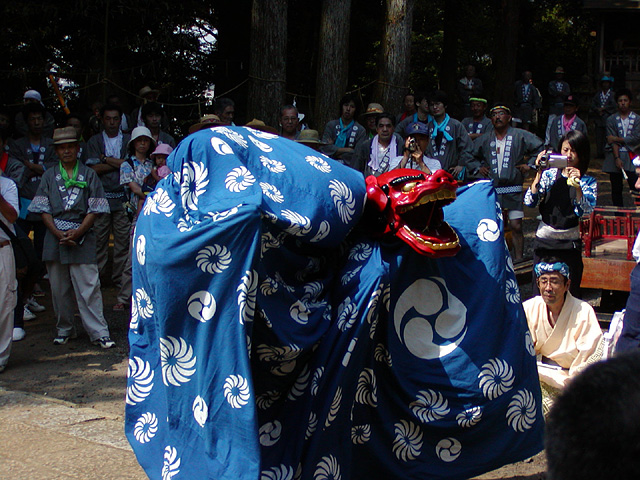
[(268, 287), (140, 379), (360, 434), (429, 406), (268, 240), (269, 433), (159, 202), (282, 472), (171, 463), (360, 252), (194, 181), (328, 468), (300, 384), (236, 391), (381, 355), (261, 145), (143, 302), (496, 377), (200, 410), (318, 163), (315, 381), (347, 277), (141, 244), (469, 417), (528, 343), (239, 179), (299, 224), (386, 296), (408, 441), (343, 200), (146, 427), (311, 427), (247, 291), (521, 414), (272, 165), (513, 292), (272, 192), (134, 323), (185, 224), (347, 314), (323, 230), (367, 390), (217, 216), (266, 399), (233, 136), (334, 408), (213, 259), (221, 147), (177, 361)]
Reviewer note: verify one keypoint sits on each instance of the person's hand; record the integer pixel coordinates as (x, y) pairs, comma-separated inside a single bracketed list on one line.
[(540, 157), (483, 171), (619, 163), (611, 138), (455, 171), (69, 238)]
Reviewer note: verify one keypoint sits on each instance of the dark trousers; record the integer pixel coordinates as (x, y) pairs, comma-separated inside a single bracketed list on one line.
[(39, 231), (630, 336), (601, 140), (616, 186)]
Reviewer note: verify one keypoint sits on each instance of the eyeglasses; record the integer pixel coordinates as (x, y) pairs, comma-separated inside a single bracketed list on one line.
[(499, 114), (554, 282)]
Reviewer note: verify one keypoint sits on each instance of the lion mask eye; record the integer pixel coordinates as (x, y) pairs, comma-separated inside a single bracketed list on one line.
[(407, 187)]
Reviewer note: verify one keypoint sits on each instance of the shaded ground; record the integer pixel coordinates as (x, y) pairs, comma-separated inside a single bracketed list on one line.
[(89, 376)]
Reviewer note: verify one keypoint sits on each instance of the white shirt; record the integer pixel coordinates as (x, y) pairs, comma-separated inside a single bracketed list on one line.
[(500, 146), (9, 192)]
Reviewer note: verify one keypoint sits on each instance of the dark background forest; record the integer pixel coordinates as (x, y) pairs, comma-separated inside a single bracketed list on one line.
[(265, 53)]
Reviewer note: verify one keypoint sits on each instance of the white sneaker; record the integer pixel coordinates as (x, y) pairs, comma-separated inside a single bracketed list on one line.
[(34, 306), (18, 334), (28, 314)]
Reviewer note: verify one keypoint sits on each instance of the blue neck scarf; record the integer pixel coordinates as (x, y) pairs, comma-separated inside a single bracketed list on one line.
[(341, 139), (441, 128)]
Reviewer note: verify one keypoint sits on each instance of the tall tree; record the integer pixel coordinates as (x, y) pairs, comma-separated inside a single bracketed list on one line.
[(393, 77), (268, 66), (331, 76), (449, 57), (506, 50)]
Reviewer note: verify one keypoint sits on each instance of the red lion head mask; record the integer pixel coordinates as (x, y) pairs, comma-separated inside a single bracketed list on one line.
[(410, 203)]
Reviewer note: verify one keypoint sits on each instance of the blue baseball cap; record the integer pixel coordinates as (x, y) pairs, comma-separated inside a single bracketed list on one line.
[(416, 128)]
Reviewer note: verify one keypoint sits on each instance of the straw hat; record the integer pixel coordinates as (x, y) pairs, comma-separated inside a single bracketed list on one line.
[(309, 136), (206, 121), (64, 135)]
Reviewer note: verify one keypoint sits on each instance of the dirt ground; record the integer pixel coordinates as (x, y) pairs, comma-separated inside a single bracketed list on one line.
[(84, 374)]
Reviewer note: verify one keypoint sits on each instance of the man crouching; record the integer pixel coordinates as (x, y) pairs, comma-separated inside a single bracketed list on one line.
[(69, 198)]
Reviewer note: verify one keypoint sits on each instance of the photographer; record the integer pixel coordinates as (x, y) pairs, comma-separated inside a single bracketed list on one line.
[(563, 194), (416, 143)]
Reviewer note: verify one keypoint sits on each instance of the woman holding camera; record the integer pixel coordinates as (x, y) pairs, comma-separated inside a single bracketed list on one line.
[(563, 193)]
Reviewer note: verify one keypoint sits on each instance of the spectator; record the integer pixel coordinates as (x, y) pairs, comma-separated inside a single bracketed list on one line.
[(469, 86), (135, 169), (148, 95), (21, 124), (564, 330), (9, 207), (373, 157), (527, 101), (567, 122), (369, 118), (343, 135), (152, 114), (603, 106), (126, 124), (77, 122), (310, 138), (225, 110), (408, 107), (105, 153), (477, 123), (563, 195), (558, 91), (421, 115), (69, 199), (289, 122), (503, 155), (415, 146)]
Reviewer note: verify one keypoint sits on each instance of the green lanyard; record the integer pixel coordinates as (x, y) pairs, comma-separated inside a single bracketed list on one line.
[(71, 182)]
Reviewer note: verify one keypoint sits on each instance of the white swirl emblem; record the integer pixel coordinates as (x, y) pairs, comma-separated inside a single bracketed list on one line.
[(488, 230), (202, 306), (146, 427), (236, 391), (140, 380), (408, 441), (141, 243), (277, 473), (328, 468), (269, 433), (429, 406), (200, 410), (360, 252), (159, 202), (318, 163), (333, 409), (177, 361), (343, 200), (194, 181), (300, 385), (469, 417), (239, 179), (323, 231), (521, 414), (299, 224), (448, 449), (234, 136), (170, 464), (347, 315), (367, 390), (360, 434), (213, 259), (144, 305), (513, 292), (221, 147), (311, 427), (381, 355), (496, 377), (247, 291), (528, 343), (429, 319), (315, 381), (272, 165), (272, 192)]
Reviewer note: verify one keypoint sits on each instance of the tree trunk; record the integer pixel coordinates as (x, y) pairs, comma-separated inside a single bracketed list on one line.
[(332, 73), (268, 65), (449, 59), (393, 76), (506, 50)]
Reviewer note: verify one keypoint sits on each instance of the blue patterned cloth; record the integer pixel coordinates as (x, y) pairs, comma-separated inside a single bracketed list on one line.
[(272, 339)]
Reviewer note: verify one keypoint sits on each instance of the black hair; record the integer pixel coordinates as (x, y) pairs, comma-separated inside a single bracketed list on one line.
[(419, 96), (349, 97), (33, 107), (592, 431), (77, 116), (551, 260), (151, 107), (110, 107), (580, 144), (288, 107), (439, 96), (382, 115), (624, 91), (221, 103), (4, 134)]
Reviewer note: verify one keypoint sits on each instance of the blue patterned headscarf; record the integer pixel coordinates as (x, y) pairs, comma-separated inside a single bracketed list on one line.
[(559, 267)]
